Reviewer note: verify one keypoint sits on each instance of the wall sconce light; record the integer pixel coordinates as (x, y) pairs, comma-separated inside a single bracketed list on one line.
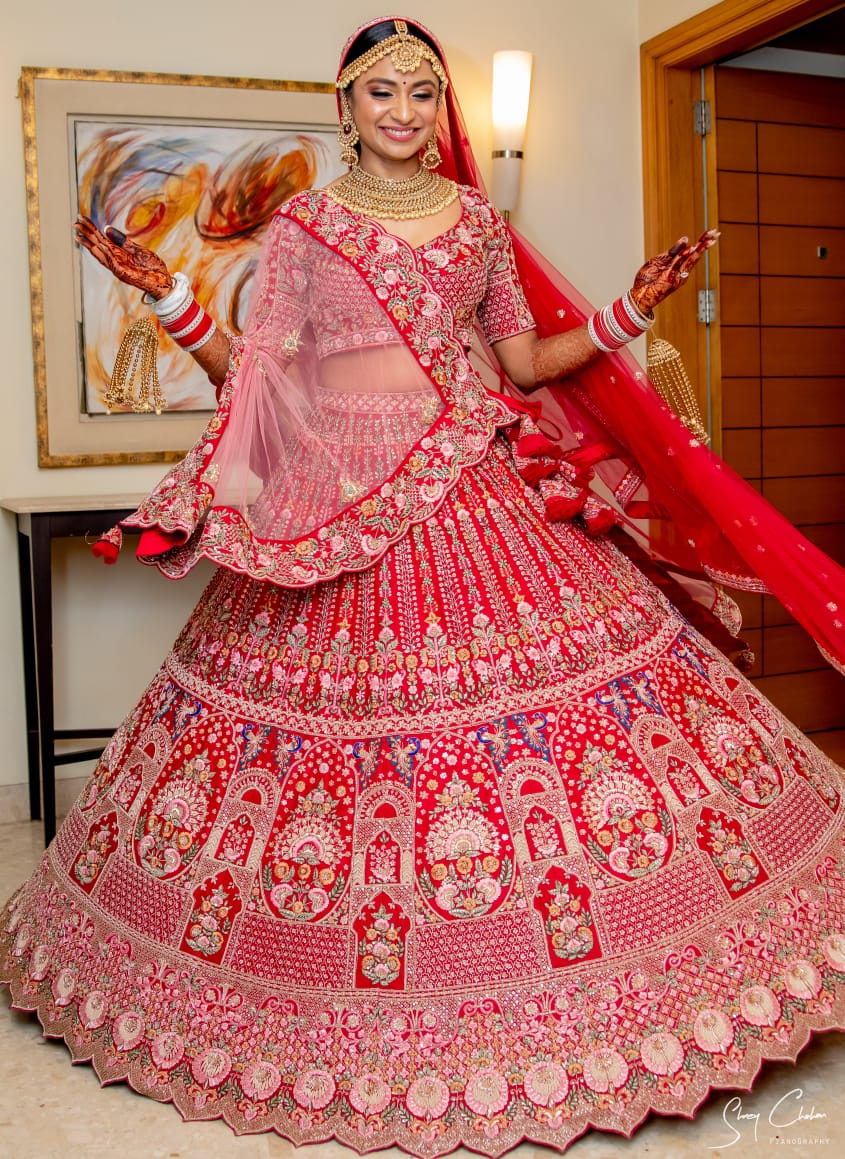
[(511, 88)]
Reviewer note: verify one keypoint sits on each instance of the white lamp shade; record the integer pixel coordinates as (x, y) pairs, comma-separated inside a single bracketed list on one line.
[(504, 188), (511, 88)]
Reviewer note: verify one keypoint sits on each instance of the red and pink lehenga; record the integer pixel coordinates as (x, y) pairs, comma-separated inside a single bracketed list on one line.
[(440, 824)]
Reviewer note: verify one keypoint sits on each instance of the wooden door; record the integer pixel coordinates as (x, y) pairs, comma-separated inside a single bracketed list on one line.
[(780, 149)]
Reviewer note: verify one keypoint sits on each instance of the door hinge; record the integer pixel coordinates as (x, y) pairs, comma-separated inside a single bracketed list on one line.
[(707, 306), (702, 117)]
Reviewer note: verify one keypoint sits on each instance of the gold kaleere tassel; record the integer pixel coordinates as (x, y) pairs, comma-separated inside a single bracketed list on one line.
[(136, 358), (668, 373)]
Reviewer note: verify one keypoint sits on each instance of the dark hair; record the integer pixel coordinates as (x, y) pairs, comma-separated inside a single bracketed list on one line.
[(376, 33)]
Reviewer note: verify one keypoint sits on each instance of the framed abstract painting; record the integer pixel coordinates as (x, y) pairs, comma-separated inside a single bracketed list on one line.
[(191, 166)]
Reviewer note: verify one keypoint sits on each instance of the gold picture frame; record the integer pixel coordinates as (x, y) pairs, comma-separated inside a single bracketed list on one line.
[(55, 103)]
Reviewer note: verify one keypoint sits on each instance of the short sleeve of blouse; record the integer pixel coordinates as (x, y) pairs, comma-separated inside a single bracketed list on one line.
[(503, 311), (281, 286)]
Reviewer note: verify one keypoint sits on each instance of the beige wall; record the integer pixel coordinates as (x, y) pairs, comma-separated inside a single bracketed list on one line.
[(658, 15), (581, 204)]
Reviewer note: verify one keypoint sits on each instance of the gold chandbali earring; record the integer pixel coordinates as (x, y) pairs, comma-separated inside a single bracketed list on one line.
[(431, 156), (347, 134)]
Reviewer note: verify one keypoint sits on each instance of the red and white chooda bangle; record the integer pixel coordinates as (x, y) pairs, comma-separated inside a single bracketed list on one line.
[(181, 315), (618, 324)]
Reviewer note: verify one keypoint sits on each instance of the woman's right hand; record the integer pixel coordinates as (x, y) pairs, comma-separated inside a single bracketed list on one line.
[(134, 264)]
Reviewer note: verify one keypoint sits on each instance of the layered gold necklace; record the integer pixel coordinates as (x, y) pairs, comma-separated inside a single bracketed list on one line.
[(422, 195)]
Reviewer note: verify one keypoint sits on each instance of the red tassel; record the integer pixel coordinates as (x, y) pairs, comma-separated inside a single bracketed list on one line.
[(105, 551), (598, 517), (561, 499), (558, 509), (107, 547), (585, 457), (537, 444), (533, 470)]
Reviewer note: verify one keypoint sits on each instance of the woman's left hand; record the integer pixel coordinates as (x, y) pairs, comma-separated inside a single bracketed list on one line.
[(662, 275)]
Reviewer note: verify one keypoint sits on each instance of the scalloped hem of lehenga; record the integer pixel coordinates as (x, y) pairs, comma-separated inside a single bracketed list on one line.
[(486, 1140)]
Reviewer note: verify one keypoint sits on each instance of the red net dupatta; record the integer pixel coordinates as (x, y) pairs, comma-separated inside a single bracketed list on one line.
[(679, 500)]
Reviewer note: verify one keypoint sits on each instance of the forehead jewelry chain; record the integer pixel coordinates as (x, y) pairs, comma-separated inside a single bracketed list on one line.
[(406, 51)]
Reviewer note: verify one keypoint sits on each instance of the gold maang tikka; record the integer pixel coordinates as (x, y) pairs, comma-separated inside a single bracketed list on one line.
[(405, 50)]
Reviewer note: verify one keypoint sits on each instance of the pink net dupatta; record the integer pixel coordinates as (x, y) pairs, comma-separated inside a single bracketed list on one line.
[(350, 412)]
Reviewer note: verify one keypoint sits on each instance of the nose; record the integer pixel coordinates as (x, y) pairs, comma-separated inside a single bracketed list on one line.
[(403, 111)]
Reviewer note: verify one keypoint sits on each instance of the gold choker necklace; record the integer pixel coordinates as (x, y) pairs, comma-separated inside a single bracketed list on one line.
[(422, 195)]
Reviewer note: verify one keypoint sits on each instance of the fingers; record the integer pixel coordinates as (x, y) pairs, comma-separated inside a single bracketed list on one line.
[(684, 256), (87, 233), (704, 243)]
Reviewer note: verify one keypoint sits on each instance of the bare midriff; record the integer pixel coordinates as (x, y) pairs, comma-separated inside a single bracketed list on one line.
[(384, 369)]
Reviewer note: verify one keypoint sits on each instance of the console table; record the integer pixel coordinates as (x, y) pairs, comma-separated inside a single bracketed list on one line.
[(39, 522)]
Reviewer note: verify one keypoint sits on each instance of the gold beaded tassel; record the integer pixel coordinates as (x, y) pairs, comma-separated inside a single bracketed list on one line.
[(668, 374), (136, 358)]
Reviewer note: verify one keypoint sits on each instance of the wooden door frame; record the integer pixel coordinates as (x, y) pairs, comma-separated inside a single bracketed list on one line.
[(670, 80)]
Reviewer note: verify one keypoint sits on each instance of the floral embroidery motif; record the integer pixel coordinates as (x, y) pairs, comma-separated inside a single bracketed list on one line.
[(305, 868), (178, 813), (99, 845), (629, 829), (236, 841), (723, 839), (562, 900), (382, 929), (811, 770), (464, 858), (217, 903), (686, 782), (543, 834), (383, 860), (739, 760)]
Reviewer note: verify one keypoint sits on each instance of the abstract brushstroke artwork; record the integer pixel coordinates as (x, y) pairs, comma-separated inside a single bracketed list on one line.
[(194, 168), (201, 196)]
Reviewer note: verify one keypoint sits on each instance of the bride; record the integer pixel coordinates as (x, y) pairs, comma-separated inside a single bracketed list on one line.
[(447, 819)]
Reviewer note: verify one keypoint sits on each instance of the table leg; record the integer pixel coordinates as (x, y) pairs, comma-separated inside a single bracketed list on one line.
[(33, 757), (42, 603)]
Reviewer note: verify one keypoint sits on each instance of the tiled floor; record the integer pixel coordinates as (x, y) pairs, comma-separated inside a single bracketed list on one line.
[(52, 1110)]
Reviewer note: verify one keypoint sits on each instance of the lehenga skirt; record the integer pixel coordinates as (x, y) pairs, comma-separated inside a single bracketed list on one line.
[(481, 844)]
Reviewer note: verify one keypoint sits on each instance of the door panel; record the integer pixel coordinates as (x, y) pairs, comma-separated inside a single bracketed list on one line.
[(795, 149), (793, 250), (780, 147), (797, 351), (790, 402), (786, 301), (738, 196), (816, 201)]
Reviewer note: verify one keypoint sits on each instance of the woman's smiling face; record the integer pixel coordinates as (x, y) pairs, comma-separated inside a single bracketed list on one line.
[(396, 115)]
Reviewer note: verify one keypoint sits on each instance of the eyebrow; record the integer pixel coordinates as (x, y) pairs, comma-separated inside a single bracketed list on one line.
[(378, 80)]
